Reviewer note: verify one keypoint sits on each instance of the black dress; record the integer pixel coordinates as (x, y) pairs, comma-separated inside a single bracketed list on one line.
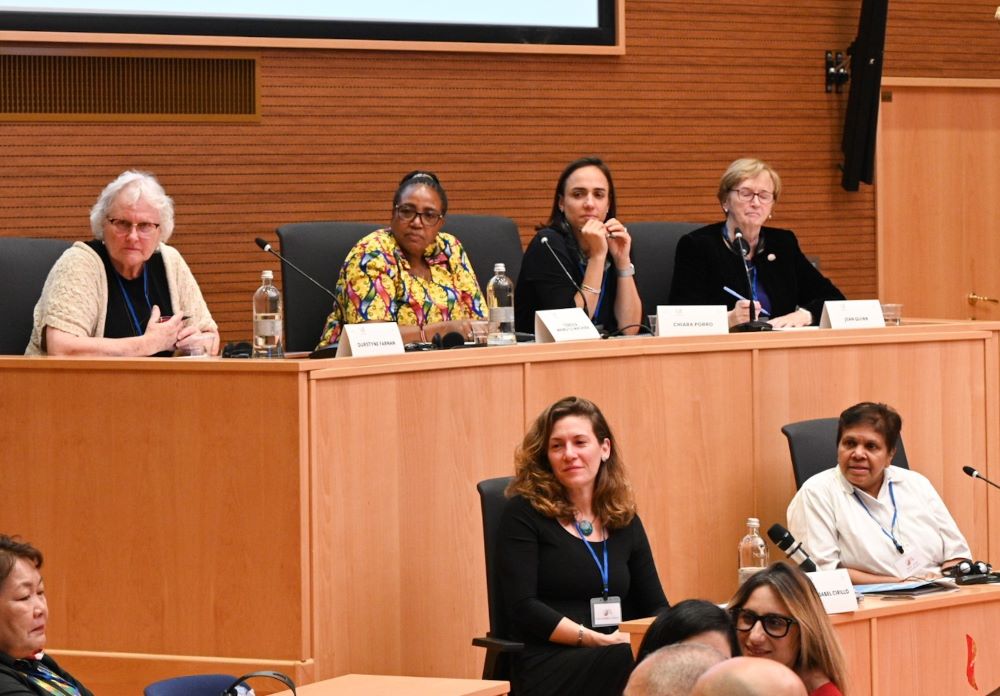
[(546, 574), (14, 680), (542, 283), (704, 264)]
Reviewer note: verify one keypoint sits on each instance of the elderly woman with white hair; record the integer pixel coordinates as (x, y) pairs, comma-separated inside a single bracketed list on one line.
[(125, 292)]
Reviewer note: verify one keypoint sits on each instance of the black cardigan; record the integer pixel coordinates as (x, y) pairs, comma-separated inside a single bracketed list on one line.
[(704, 264), (15, 683)]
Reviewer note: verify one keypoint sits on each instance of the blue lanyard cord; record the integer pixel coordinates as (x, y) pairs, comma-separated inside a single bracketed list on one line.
[(600, 297), (895, 514), (128, 301), (753, 266), (51, 682), (603, 568)]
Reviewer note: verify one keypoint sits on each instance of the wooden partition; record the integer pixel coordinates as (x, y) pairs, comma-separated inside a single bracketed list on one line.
[(320, 517)]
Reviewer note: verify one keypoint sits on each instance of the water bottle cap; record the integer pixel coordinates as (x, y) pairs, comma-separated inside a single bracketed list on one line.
[(753, 522), (499, 268), (267, 275)]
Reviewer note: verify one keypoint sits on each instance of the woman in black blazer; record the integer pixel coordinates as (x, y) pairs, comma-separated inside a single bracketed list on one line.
[(787, 288)]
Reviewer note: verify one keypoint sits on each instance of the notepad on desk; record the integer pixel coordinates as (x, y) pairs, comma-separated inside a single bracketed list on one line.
[(914, 588)]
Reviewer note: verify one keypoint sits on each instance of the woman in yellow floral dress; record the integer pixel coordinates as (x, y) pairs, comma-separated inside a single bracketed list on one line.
[(411, 273)]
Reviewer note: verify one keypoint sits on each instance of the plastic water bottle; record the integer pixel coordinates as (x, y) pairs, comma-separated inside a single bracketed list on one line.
[(500, 300), (753, 554), (267, 322)]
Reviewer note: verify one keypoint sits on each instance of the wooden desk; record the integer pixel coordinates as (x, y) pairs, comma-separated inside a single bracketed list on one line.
[(377, 685), (227, 514), (913, 646)]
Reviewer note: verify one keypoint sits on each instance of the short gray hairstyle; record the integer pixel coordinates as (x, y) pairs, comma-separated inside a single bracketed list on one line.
[(131, 185), (672, 670)]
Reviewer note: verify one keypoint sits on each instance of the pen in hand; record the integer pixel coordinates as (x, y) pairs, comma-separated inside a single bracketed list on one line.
[(740, 297)]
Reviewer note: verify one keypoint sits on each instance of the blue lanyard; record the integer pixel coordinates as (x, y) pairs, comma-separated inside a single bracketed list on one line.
[(895, 514), (603, 568), (128, 301), (753, 266), (40, 674), (600, 297)]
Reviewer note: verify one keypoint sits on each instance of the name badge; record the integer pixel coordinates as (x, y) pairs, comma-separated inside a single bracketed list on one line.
[(370, 338), (558, 325), (852, 314), (605, 612), (835, 590), (691, 320), (910, 563)]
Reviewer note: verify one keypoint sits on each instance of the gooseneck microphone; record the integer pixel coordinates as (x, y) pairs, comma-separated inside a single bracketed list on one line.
[(743, 249), (267, 247), (784, 540), (583, 295), (975, 474)]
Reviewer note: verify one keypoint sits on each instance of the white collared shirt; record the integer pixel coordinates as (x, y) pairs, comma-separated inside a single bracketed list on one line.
[(838, 532)]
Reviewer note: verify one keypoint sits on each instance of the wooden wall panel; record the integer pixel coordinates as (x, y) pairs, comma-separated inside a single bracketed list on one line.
[(701, 83)]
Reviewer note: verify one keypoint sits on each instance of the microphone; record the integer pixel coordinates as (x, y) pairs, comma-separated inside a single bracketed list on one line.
[(784, 540), (753, 324), (267, 247), (583, 296), (975, 474)]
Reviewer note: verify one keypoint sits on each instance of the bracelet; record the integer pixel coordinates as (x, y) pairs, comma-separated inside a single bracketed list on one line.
[(626, 272), (590, 289), (579, 636)]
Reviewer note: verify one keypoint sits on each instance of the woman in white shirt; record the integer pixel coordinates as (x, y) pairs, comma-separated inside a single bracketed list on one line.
[(880, 522)]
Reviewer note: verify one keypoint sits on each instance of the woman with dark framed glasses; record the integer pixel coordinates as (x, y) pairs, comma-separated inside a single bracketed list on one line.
[(778, 615), (709, 266), (411, 272), (124, 292)]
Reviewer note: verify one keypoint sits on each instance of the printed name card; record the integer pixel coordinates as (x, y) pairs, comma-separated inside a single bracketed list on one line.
[(558, 325), (691, 320), (835, 590), (852, 314), (371, 338)]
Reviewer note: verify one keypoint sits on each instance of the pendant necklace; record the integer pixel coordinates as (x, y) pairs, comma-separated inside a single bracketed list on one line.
[(586, 527)]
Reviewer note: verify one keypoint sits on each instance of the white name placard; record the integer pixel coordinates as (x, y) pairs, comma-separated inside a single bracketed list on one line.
[(835, 590), (370, 338), (691, 320), (558, 325), (852, 314)]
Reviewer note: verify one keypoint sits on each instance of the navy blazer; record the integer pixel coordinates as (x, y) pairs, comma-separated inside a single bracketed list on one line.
[(704, 264)]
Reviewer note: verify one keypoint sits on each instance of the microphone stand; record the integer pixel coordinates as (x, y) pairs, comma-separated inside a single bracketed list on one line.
[(743, 249)]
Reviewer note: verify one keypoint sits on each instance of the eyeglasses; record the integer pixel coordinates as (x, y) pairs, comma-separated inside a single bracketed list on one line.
[(406, 213), (746, 195), (774, 625), (124, 227)]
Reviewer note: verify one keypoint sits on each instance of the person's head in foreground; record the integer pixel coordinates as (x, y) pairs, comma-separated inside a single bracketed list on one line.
[(691, 621), (749, 676), (778, 615), (672, 670)]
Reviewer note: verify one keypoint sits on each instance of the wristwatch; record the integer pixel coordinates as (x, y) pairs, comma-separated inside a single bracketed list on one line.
[(630, 271)]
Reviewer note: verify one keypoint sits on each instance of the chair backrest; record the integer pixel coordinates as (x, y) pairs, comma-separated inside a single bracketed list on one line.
[(487, 239), (653, 247), (195, 685), (24, 265), (319, 249), (813, 446), (493, 501)]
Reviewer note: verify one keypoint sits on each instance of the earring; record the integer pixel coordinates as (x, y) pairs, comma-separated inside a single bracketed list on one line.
[(604, 459), (726, 211)]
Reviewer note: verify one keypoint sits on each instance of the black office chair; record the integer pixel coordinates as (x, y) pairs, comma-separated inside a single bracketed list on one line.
[(653, 247), (24, 265), (319, 249), (813, 446), (487, 239), (498, 648)]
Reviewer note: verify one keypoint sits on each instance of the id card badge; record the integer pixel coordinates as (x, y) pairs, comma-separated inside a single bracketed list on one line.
[(605, 612), (910, 562)]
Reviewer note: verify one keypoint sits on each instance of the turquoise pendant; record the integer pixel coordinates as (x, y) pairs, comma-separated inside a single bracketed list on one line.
[(586, 527)]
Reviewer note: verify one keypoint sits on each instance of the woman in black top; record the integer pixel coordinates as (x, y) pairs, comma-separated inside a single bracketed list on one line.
[(24, 612), (586, 243), (787, 287), (573, 557)]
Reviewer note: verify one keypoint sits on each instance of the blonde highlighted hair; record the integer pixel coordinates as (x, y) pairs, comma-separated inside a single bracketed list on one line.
[(743, 169)]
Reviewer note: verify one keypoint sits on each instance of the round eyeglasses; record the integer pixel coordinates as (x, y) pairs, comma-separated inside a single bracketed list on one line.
[(406, 213), (746, 195), (774, 625), (125, 227)]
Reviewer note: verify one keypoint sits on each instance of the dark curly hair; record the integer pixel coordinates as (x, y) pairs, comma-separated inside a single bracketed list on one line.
[(10, 550)]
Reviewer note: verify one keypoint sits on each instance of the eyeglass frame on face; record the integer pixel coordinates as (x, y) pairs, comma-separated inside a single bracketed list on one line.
[(124, 227), (737, 612), (406, 213), (746, 195)]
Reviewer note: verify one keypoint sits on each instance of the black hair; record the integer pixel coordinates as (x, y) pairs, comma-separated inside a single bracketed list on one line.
[(557, 219), (882, 418), (421, 178), (686, 619), (11, 550)]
